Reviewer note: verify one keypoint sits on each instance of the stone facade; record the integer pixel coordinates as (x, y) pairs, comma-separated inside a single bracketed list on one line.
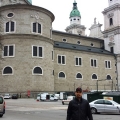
[(18, 73)]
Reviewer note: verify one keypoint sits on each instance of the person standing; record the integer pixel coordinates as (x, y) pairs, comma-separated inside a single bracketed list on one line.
[(79, 108)]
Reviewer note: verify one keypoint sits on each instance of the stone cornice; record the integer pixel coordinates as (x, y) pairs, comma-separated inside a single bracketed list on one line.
[(26, 36), (30, 7), (76, 26), (115, 6), (114, 30)]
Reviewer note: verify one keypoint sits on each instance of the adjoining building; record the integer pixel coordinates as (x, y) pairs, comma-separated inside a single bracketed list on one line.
[(37, 58)]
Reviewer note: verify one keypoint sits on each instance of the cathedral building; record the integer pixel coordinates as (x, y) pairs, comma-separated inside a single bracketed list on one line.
[(37, 58)]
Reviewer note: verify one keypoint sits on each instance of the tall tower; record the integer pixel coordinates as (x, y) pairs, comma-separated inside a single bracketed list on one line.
[(112, 32), (75, 26)]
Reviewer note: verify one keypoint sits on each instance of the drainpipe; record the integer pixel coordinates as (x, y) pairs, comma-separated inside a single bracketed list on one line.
[(116, 71)]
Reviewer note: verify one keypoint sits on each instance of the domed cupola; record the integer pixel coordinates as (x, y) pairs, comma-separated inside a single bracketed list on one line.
[(75, 26), (75, 12)]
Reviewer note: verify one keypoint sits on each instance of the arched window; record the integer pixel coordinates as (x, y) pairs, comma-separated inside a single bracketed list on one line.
[(78, 76), (37, 70), (108, 77), (10, 26), (36, 28), (61, 75), (7, 70), (94, 76), (111, 21)]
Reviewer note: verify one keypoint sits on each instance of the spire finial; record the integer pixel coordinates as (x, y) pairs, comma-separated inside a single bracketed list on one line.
[(94, 20)]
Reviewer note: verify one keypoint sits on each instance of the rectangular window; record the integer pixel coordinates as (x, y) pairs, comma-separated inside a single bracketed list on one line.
[(37, 51), (61, 59), (78, 61), (52, 55), (8, 50), (107, 64), (112, 49), (36, 27), (93, 62), (10, 26)]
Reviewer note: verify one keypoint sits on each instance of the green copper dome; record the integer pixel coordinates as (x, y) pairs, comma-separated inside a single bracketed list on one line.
[(30, 1), (75, 12)]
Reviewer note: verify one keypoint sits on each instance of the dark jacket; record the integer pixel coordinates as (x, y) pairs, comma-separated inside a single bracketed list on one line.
[(79, 110)]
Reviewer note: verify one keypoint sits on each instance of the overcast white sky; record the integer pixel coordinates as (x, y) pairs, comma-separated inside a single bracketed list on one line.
[(89, 9)]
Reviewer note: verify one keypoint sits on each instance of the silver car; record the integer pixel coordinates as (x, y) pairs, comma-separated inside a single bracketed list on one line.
[(2, 106), (104, 106)]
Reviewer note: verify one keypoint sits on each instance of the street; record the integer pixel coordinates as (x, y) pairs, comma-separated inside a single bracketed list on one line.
[(30, 109)]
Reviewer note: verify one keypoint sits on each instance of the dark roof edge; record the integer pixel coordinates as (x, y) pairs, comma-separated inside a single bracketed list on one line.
[(81, 48), (61, 32)]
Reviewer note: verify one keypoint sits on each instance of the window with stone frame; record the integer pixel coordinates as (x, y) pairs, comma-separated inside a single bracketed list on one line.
[(94, 76), (37, 71), (79, 76), (10, 26), (61, 59), (111, 21), (78, 61), (36, 28), (108, 77), (7, 70), (93, 62), (61, 75), (37, 51), (8, 50), (107, 64)]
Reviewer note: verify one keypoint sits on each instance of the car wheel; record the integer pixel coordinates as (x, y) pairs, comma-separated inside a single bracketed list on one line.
[(93, 110), (63, 103), (1, 115)]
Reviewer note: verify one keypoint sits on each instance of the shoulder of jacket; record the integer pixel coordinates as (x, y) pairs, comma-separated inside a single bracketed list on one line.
[(85, 100)]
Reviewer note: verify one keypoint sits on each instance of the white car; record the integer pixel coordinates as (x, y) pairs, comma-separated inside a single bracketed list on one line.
[(7, 96), (69, 98), (104, 106)]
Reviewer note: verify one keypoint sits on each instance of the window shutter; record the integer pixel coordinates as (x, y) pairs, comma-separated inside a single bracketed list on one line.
[(79, 61), (63, 59), (34, 51), (34, 27), (76, 61), (12, 26), (59, 59), (10, 50), (40, 51), (7, 27), (39, 28), (5, 50)]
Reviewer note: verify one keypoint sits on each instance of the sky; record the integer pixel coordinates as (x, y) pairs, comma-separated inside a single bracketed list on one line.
[(89, 9)]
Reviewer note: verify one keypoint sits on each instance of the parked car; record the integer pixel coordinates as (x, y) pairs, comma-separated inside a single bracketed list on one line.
[(69, 98), (48, 97), (7, 96), (15, 96), (104, 106), (2, 106), (38, 97)]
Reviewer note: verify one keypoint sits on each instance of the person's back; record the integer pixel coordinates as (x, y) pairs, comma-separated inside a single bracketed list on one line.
[(79, 108)]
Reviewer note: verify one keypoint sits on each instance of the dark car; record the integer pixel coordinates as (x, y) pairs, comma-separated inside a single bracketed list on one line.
[(15, 96), (2, 106)]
